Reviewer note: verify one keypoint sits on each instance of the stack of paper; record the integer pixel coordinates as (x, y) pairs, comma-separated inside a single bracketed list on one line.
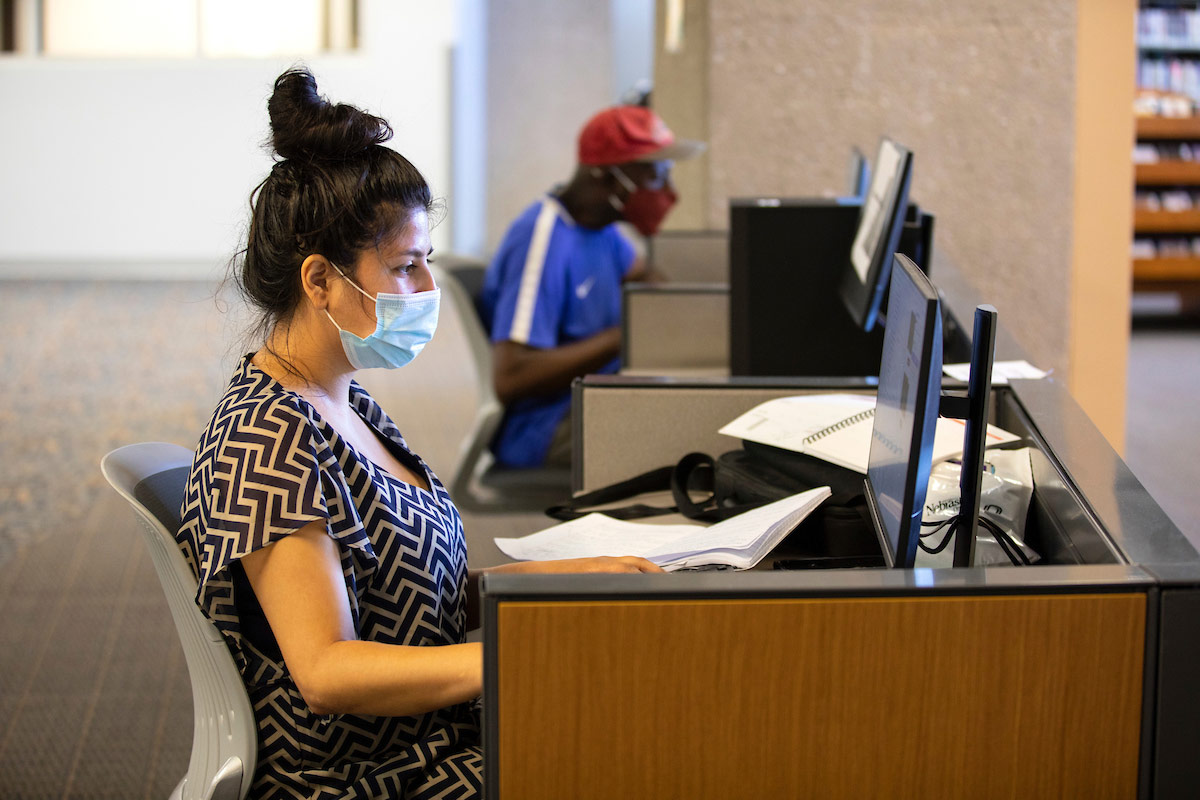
[(1002, 371), (739, 542), (837, 428)]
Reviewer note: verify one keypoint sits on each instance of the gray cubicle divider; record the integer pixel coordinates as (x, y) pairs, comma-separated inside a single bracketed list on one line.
[(675, 327), (628, 425), (690, 256)]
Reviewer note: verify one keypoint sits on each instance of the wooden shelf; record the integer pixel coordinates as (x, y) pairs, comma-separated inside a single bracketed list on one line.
[(1182, 47), (1167, 173), (1166, 222), (1168, 127), (1152, 270)]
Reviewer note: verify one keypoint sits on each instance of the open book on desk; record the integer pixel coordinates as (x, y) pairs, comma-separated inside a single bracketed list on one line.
[(739, 542), (837, 428)]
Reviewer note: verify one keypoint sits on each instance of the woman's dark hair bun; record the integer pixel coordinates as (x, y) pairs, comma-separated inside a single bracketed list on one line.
[(306, 126)]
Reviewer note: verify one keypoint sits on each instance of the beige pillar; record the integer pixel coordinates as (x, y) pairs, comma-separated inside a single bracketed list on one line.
[(1103, 180)]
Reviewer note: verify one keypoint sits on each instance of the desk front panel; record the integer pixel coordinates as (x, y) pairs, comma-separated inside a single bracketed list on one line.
[(950, 696)]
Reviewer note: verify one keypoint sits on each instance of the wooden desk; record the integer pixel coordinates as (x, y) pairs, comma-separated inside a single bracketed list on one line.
[(780, 687)]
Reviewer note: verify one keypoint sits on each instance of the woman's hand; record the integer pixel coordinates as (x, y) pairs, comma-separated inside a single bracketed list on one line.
[(575, 565), (628, 564)]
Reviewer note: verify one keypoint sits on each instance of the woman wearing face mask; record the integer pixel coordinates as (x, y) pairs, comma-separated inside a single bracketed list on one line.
[(329, 556), (552, 294)]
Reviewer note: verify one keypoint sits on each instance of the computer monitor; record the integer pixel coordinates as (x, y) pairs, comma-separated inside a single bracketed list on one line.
[(858, 174), (880, 223), (906, 412), (909, 402)]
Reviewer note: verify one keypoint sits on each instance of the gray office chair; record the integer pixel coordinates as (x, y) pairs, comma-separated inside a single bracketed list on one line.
[(478, 483), (152, 476)]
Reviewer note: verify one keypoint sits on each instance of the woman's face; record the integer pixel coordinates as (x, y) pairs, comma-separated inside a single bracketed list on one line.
[(400, 265)]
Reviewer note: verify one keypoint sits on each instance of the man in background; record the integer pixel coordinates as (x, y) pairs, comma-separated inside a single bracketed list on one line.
[(552, 294)]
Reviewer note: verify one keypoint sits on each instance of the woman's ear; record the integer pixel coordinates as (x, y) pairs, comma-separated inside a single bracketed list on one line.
[(316, 273)]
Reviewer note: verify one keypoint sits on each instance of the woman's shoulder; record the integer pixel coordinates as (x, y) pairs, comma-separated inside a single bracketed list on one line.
[(256, 402)]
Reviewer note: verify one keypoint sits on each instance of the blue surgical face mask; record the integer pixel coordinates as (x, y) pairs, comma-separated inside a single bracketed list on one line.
[(404, 324)]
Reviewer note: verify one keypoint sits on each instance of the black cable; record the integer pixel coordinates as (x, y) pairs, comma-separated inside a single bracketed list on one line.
[(951, 522), (1004, 540)]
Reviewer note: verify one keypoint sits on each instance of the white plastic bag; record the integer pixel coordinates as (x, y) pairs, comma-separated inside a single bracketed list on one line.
[(1005, 492)]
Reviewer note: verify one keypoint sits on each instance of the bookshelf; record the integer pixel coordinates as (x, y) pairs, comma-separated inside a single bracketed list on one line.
[(1166, 218)]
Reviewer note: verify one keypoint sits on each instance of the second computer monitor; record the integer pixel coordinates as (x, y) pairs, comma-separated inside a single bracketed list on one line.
[(878, 236), (906, 412)]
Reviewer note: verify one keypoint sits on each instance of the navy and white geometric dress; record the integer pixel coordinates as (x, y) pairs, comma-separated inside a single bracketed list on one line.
[(268, 465)]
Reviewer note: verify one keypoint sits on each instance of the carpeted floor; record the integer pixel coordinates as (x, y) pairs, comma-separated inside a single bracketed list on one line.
[(1162, 434), (94, 695)]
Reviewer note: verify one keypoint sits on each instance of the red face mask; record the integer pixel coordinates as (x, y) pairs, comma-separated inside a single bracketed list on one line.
[(644, 209)]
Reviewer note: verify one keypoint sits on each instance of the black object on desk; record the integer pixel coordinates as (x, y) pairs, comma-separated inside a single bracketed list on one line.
[(786, 258)]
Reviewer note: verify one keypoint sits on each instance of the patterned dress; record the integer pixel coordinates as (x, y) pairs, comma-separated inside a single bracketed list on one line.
[(267, 465)]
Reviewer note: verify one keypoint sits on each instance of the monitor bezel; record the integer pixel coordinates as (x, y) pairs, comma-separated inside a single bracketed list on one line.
[(863, 299), (902, 554)]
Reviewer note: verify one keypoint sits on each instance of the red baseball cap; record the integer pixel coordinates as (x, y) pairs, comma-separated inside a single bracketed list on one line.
[(622, 134)]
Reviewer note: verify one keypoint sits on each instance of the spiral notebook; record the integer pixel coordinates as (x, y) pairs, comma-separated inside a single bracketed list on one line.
[(837, 428)]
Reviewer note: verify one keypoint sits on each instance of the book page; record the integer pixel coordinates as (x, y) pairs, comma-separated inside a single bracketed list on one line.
[(787, 421), (593, 535), (739, 541), (744, 534)]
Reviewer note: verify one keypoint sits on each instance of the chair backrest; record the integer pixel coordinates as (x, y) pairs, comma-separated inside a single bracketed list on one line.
[(473, 452), (460, 285), (152, 476)]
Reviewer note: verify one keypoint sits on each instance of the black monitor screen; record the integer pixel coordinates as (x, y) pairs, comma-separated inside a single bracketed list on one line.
[(906, 412), (880, 224)]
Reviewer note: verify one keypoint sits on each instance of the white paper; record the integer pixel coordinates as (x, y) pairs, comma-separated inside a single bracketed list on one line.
[(739, 541), (1002, 371), (788, 421), (593, 535)]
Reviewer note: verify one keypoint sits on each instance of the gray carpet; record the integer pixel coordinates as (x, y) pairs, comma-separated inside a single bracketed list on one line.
[(1162, 434), (94, 695)]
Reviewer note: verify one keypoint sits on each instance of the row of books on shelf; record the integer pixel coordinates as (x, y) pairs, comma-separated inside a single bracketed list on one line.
[(1168, 27), (1180, 75), (1171, 247), (1154, 152), (1177, 200), (1156, 103)]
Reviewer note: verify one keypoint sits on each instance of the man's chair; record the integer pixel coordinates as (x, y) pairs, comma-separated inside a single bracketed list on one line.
[(479, 484), (152, 477)]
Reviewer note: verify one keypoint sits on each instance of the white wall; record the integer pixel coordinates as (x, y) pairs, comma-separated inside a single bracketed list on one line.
[(549, 68), (118, 168)]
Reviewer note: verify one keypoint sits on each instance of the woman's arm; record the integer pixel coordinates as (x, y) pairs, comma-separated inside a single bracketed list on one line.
[(565, 565), (299, 584)]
